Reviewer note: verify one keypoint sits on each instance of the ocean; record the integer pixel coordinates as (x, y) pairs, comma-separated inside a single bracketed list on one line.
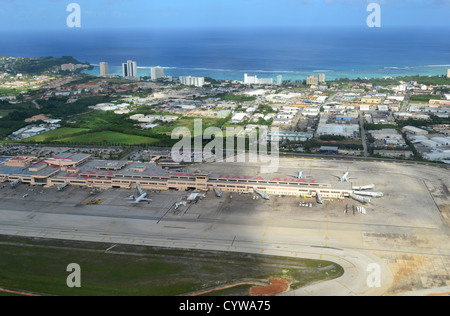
[(229, 53)]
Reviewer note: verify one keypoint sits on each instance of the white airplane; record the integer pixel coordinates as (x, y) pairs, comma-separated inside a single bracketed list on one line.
[(345, 177), (299, 175), (142, 196)]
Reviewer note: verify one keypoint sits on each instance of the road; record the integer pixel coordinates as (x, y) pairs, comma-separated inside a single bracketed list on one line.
[(36, 104), (363, 134)]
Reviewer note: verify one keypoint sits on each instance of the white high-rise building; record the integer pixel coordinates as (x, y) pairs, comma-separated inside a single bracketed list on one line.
[(129, 69), (448, 73), (255, 80), (250, 79), (157, 72), (104, 69), (321, 78), (192, 81), (280, 80)]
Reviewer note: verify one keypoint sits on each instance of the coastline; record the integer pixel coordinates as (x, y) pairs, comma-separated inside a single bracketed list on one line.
[(230, 74)]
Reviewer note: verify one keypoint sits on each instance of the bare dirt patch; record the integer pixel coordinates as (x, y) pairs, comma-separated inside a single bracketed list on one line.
[(277, 286)]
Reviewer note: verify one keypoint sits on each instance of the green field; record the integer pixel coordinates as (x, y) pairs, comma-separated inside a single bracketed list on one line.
[(108, 138), (189, 123), (56, 134), (83, 136), (39, 265)]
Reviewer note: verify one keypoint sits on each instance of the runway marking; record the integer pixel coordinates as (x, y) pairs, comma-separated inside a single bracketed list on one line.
[(117, 221), (86, 201), (270, 218), (406, 220), (214, 221), (110, 248)]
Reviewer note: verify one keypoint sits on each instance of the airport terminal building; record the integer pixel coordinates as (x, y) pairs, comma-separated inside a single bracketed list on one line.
[(79, 170)]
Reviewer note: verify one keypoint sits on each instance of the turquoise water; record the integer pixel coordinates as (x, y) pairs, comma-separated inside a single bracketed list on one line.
[(219, 74)]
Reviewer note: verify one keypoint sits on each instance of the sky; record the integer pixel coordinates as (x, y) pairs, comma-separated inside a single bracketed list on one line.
[(158, 14)]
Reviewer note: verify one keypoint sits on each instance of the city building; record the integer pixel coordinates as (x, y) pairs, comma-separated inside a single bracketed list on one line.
[(388, 138), (321, 78), (157, 73), (255, 80), (280, 80), (329, 150), (312, 81), (72, 67), (415, 131), (192, 81), (345, 130), (239, 118), (448, 73), (77, 171), (290, 136), (371, 100), (104, 69), (129, 70)]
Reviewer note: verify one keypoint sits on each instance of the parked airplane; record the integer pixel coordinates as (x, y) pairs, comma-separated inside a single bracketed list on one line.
[(142, 196), (345, 177), (299, 175)]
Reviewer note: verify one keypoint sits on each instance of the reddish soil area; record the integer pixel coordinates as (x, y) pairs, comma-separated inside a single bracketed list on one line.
[(277, 286)]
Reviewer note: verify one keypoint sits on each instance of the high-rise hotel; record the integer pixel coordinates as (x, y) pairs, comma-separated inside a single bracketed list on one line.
[(104, 69), (157, 73), (129, 70)]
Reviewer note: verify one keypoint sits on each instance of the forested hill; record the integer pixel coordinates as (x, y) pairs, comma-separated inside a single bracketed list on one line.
[(35, 65)]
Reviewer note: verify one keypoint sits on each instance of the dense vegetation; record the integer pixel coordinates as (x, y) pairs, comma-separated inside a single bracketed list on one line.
[(424, 98), (36, 65), (235, 97), (54, 107)]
